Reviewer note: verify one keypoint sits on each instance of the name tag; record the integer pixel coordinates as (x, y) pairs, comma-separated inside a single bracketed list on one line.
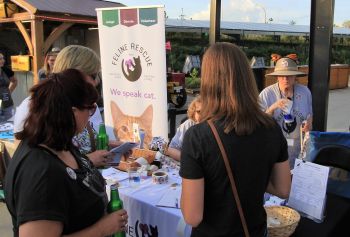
[(290, 142)]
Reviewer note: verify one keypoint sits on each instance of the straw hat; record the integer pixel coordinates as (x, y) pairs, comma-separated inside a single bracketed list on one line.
[(286, 67)]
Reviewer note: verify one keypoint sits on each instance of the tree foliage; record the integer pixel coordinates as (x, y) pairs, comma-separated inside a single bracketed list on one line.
[(346, 24), (253, 45)]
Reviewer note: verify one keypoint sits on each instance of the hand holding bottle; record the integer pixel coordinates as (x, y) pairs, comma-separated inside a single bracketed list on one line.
[(115, 205), (112, 223)]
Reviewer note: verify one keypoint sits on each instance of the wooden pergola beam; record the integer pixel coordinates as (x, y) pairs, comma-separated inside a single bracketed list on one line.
[(37, 31), (55, 34), (23, 16), (67, 18), (25, 5), (35, 41), (26, 36)]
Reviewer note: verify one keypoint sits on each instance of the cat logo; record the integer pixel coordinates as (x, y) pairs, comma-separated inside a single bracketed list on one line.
[(134, 68), (149, 230)]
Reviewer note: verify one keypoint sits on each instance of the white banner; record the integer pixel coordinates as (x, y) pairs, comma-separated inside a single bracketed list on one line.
[(132, 44)]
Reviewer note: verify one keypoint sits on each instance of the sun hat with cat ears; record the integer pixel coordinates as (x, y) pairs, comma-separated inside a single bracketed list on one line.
[(286, 67)]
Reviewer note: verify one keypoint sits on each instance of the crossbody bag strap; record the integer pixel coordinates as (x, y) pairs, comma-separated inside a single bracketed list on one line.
[(230, 175), (91, 136)]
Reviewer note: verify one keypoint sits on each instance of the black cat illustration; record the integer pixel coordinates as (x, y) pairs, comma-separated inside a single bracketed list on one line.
[(145, 230), (134, 69), (289, 127)]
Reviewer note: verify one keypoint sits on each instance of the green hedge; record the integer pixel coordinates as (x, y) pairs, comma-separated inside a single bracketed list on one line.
[(260, 46)]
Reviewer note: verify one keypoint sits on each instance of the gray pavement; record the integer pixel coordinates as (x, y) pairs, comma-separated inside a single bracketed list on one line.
[(338, 121), (5, 222)]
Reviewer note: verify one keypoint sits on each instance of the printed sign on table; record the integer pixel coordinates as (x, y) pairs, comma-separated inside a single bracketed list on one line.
[(133, 71)]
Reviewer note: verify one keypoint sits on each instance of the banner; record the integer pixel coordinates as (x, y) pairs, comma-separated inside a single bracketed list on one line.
[(133, 72)]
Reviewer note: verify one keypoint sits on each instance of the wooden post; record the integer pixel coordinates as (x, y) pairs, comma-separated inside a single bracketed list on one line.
[(37, 31), (214, 31)]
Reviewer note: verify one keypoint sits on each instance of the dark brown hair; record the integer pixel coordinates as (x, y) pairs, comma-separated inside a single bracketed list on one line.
[(51, 119), (229, 91)]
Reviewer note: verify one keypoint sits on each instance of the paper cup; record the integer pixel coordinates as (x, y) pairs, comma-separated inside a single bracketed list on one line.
[(288, 108)]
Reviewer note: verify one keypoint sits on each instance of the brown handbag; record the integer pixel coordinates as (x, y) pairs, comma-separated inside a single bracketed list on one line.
[(230, 175)]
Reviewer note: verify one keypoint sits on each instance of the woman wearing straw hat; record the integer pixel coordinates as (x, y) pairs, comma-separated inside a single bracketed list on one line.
[(289, 103)]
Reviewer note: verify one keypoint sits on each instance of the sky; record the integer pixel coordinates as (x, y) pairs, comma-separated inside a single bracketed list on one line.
[(277, 11)]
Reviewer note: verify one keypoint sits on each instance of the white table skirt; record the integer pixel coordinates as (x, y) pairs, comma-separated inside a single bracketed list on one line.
[(144, 215)]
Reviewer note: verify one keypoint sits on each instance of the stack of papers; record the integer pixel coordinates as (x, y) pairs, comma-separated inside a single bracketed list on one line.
[(6, 127), (114, 174), (308, 192), (171, 198)]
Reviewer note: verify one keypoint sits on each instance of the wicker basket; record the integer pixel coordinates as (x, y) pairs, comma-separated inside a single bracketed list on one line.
[(287, 219), (149, 155)]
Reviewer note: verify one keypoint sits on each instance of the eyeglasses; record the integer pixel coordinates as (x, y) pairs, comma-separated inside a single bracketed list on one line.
[(91, 108)]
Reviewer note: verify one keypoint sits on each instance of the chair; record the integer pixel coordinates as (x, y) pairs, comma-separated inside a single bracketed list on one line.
[(4, 161), (337, 210)]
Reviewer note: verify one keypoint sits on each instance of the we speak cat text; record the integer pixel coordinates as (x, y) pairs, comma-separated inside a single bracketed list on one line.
[(133, 94)]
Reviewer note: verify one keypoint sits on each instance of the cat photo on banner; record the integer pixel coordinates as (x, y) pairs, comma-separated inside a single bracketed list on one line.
[(123, 123)]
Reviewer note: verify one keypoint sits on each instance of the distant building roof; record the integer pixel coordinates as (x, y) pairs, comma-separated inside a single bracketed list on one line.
[(76, 7), (247, 28)]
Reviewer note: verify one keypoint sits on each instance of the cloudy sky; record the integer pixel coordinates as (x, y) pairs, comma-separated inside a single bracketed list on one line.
[(279, 11)]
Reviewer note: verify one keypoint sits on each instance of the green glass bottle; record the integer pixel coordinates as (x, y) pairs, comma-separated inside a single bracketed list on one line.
[(115, 204), (102, 138)]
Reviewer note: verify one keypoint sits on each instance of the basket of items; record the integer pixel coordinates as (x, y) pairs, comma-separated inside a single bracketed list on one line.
[(281, 220), (138, 158)]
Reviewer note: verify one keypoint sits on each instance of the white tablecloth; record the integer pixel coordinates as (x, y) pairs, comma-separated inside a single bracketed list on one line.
[(144, 214)]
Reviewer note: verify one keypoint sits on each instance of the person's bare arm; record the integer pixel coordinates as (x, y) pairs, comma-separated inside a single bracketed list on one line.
[(13, 83), (192, 201), (280, 180), (281, 103), (173, 153), (100, 157), (107, 225)]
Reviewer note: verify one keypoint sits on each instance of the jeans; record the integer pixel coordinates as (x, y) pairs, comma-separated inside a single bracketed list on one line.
[(6, 113)]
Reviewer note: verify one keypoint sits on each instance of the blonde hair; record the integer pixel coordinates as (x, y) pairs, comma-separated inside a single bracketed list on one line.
[(229, 91), (46, 64), (192, 107), (77, 57)]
